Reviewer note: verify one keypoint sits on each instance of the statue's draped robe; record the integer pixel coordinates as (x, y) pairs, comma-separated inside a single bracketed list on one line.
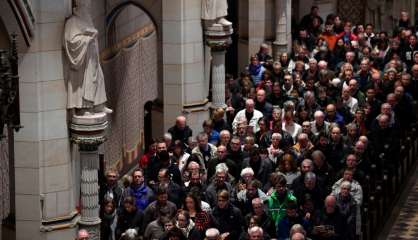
[(213, 9), (84, 75)]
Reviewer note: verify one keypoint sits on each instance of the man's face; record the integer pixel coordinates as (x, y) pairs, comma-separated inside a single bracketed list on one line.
[(111, 178), (161, 147), (261, 96), (256, 236), (249, 107), (306, 167), (412, 40), (258, 208), (331, 111), (335, 134), (288, 81), (220, 178), (235, 145), (162, 199), (351, 161), (310, 184), (138, 178), (330, 206), (162, 177), (225, 138), (251, 191), (222, 203), (280, 189), (181, 123), (306, 128), (221, 152), (203, 142), (353, 86), (345, 191)]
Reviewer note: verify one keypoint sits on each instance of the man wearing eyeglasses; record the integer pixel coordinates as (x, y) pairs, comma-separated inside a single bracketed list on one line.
[(138, 189)]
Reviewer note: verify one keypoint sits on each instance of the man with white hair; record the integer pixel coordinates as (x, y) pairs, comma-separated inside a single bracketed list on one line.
[(212, 234), (250, 114), (255, 233), (303, 147), (319, 124), (220, 182), (348, 101)]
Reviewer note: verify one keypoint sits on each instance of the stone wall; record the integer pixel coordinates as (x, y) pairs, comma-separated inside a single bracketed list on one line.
[(43, 165)]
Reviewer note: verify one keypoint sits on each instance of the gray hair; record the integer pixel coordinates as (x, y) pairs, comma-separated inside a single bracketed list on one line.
[(310, 176), (318, 153), (346, 184), (168, 135), (221, 167), (276, 135), (255, 229)]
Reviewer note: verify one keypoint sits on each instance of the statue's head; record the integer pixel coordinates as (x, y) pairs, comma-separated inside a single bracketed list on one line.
[(82, 6)]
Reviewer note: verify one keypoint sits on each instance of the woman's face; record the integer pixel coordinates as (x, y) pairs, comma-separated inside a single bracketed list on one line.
[(109, 208), (283, 57), (190, 203)]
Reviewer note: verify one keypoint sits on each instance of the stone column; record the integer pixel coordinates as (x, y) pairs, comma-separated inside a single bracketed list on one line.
[(283, 27), (218, 38), (88, 132)]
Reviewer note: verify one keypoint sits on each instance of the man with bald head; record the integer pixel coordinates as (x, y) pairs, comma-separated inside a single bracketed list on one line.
[(181, 131), (329, 223), (384, 139), (262, 105), (404, 110), (250, 114), (332, 116)]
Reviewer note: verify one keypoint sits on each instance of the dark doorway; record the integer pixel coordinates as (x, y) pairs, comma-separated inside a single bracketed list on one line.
[(231, 63)]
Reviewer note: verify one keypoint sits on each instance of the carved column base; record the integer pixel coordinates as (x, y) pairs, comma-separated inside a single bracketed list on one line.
[(88, 132), (279, 48)]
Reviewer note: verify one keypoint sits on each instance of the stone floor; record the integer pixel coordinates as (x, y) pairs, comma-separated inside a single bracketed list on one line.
[(405, 223)]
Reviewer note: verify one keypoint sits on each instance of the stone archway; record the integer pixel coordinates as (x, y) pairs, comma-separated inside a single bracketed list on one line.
[(130, 65)]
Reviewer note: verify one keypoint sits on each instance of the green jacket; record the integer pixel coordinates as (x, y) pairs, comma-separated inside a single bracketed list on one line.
[(277, 209)]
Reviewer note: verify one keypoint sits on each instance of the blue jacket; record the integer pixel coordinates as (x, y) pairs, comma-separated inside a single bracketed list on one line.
[(143, 195)]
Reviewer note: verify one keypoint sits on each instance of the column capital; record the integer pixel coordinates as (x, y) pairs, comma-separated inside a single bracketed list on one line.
[(88, 131), (218, 37)]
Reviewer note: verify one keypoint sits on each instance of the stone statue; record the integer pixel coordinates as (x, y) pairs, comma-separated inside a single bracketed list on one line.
[(85, 80), (214, 13)]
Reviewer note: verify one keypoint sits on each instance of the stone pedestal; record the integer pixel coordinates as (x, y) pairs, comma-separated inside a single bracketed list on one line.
[(88, 132), (218, 38), (283, 28)]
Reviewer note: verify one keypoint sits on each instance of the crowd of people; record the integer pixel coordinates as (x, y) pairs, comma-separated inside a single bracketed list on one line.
[(290, 155)]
